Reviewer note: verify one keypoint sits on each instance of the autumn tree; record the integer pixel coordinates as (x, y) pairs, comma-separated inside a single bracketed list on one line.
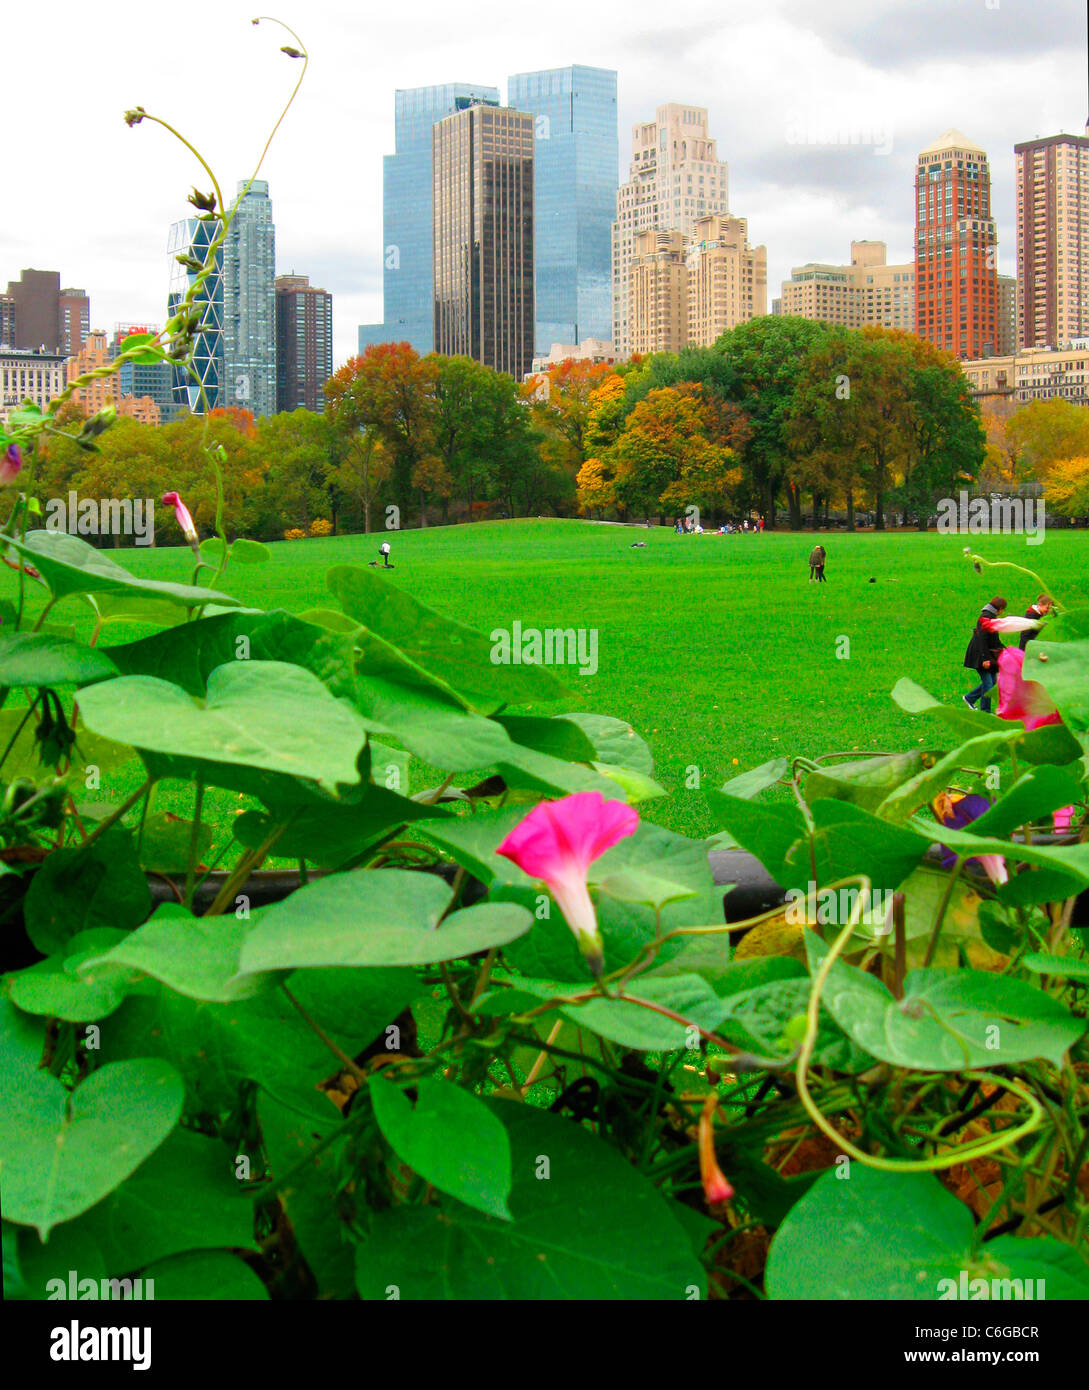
[(561, 399), (391, 390), (1067, 486), (665, 459), (360, 469), (756, 368), (1044, 432), (596, 488)]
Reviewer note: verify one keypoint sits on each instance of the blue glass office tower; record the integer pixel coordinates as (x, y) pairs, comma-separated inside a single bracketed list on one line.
[(249, 303), (576, 155), (191, 238), (407, 214)]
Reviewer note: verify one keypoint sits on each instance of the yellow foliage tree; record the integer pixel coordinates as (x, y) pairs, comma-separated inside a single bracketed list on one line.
[(595, 485), (1067, 487)]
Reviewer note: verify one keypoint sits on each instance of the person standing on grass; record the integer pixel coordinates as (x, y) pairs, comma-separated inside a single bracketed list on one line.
[(383, 550), (982, 656), (1040, 609), (816, 565)]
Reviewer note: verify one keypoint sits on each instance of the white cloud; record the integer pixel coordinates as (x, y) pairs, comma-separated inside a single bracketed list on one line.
[(93, 199)]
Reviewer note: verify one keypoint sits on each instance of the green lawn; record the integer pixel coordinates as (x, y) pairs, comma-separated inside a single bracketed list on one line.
[(717, 649)]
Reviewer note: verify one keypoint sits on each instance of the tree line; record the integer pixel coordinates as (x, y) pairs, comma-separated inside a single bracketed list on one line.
[(782, 417)]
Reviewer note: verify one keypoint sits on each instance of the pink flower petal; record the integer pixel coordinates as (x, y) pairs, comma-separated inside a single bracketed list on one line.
[(1009, 624), (1019, 698), (557, 842)]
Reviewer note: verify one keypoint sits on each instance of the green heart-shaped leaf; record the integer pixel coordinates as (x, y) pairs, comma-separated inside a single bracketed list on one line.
[(64, 1151)]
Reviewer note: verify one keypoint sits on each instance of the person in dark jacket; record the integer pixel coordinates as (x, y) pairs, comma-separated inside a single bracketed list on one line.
[(1040, 609), (982, 656), (816, 564)]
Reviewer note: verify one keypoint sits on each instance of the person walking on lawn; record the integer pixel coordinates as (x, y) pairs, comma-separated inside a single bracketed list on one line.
[(1040, 609), (982, 655)]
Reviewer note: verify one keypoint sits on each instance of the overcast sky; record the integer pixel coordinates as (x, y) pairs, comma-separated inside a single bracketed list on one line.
[(86, 196)]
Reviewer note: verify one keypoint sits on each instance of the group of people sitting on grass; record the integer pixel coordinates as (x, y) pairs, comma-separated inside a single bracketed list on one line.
[(688, 526), (986, 647)]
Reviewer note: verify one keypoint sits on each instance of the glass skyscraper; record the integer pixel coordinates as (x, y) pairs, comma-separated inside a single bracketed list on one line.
[(249, 303), (576, 155), (407, 214), (192, 237), (484, 305)]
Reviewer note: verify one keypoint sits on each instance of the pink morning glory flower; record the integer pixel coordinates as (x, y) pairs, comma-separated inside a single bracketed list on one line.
[(716, 1185), (557, 842), (10, 463), (185, 521), (1022, 699), (1009, 624)]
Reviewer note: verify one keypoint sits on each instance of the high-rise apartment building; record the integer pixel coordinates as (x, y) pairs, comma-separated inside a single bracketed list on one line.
[(658, 292), (691, 290), (1053, 240), (249, 303), (74, 309), (727, 278), (868, 291), (37, 313), (483, 237), (7, 321), (199, 389), (106, 390), (304, 343), (574, 198), (956, 248), (154, 379), (407, 222), (675, 178), (1007, 316)]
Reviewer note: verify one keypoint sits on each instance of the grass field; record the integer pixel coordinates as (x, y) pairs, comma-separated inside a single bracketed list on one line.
[(716, 649)]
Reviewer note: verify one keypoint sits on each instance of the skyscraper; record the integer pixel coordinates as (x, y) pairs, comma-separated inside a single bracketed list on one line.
[(727, 278), (658, 294), (191, 238), (1053, 239), (7, 321), (304, 343), (483, 260), (1006, 340), (107, 390), (676, 177), (956, 248), (574, 197), (154, 379), (74, 313), (407, 226), (38, 313), (249, 303)]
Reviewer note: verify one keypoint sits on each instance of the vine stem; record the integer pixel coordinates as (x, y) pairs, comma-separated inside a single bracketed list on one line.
[(194, 843), (932, 944), (348, 1063), (121, 810), (959, 1154)]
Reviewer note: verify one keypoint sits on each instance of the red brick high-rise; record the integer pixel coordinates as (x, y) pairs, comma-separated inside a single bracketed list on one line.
[(956, 249)]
